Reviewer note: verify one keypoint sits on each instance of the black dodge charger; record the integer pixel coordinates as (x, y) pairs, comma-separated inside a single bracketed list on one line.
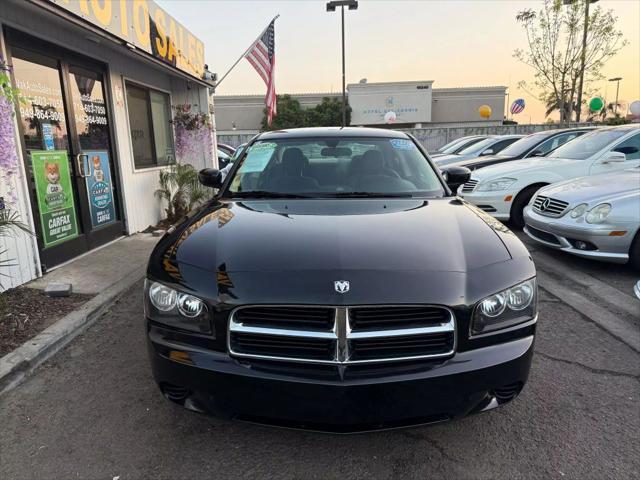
[(336, 283)]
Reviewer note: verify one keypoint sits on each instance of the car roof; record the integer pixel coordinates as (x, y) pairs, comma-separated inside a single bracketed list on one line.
[(311, 132)]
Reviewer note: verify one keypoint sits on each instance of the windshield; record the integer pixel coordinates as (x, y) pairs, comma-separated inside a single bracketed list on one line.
[(334, 167), (462, 145), (478, 147), (585, 146), (523, 145), (452, 143)]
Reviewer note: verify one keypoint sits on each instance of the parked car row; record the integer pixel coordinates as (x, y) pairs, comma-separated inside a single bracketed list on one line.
[(577, 190)]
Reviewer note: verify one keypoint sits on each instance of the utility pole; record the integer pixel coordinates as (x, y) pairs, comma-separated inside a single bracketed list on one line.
[(615, 105), (331, 7)]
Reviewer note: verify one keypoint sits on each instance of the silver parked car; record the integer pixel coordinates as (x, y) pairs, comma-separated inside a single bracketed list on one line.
[(596, 217)]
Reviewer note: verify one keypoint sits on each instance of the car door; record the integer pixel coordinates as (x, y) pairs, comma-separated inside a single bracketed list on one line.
[(631, 149)]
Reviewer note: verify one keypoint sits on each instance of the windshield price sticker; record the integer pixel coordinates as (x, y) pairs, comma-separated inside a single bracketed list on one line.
[(401, 144), (258, 157)]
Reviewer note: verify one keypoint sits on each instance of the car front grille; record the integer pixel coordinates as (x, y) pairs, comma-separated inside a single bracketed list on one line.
[(548, 206), (469, 186), (361, 334)]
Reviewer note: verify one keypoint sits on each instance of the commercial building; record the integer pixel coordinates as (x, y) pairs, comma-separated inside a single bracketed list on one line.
[(414, 104), (100, 81)]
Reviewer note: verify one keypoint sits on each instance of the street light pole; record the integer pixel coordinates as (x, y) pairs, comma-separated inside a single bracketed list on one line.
[(331, 7), (615, 105)]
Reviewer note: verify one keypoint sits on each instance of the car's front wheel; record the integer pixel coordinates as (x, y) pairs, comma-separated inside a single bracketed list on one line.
[(516, 217)]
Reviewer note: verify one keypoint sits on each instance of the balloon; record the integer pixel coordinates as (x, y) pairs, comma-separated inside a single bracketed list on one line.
[(635, 108), (596, 104), (517, 106), (390, 117), (484, 111)]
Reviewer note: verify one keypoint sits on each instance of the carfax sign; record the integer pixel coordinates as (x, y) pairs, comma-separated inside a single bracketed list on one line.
[(100, 188), (55, 196)]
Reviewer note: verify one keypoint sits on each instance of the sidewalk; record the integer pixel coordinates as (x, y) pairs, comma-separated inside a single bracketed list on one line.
[(106, 273), (98, 270)]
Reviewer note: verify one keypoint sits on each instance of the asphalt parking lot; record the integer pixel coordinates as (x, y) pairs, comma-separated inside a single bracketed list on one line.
[(93, 411)]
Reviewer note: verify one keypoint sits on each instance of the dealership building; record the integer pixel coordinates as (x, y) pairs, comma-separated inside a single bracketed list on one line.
[(414, 104), (80, 155)]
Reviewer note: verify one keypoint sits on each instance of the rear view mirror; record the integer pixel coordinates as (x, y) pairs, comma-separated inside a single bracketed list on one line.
[(336, 152), (537, 153), (626, 150), (488, 151), (456, 176), (210, 177), (614, 157)]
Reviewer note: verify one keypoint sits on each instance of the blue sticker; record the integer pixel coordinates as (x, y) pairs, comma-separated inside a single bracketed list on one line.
[(401, 144)]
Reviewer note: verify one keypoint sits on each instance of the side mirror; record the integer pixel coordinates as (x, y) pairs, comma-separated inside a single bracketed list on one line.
[(210, 177), (614, 157), (488, 151), (456, 176)]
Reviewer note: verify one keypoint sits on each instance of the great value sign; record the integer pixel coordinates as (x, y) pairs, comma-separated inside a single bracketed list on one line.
[(145, 25)]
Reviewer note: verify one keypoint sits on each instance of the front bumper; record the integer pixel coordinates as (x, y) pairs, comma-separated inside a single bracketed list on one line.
[(493, 203), (339, 398), (562, 234)]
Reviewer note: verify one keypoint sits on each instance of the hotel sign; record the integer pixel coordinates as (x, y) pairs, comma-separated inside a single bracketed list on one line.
[(147, 26)]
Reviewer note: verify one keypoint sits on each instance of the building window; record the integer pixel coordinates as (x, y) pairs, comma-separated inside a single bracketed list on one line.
[(150, 124)]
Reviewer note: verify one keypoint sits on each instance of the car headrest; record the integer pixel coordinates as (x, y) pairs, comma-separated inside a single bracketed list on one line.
[(293, 161), (372, 161)]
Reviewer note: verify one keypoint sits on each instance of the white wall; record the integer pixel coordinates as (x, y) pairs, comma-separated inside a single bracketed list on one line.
[(141, 208)]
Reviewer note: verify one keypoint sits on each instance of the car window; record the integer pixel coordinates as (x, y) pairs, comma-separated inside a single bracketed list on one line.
[(452, 143), (554, 142), (478, 146), (335, 167), (587, 145), (630, 147), (502, 144), (462, 145), (523, 145)]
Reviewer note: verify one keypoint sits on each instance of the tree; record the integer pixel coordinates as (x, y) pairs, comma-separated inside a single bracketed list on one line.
[(554, 39), (291, 114)]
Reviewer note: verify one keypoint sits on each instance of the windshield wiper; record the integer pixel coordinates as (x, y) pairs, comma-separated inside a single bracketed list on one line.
[(266, 194), (372, 195)]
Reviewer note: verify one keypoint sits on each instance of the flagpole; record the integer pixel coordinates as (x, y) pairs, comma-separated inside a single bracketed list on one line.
[(245, 52)]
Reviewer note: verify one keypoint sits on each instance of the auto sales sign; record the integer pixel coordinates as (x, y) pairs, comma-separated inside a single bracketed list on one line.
[(144, 24)]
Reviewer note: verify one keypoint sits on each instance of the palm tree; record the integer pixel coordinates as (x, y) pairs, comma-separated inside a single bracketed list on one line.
[(181, 189)]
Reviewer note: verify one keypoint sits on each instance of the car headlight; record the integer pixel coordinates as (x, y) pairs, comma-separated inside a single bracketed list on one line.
[(578, 211), (598, 213), (176, 309), (495, 185), (504, 309)]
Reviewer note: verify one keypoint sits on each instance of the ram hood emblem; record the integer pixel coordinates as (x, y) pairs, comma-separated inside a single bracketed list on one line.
[(341, 286)]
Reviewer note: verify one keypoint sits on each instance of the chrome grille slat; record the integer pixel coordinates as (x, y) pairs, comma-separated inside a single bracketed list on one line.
[(469, 186), (551, 207), (421, 331)]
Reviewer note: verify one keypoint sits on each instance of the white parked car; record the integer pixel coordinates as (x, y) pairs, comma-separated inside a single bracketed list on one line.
[(489, 146), (504, 190)]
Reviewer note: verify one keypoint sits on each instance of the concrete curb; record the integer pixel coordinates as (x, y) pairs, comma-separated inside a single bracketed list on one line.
[(17, 365)]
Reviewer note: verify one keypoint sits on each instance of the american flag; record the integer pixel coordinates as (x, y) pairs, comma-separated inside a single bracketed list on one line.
[(262, 56), (517, 106)]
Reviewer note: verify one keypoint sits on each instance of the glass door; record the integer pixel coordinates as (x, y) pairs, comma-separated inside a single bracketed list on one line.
[(66, 140)]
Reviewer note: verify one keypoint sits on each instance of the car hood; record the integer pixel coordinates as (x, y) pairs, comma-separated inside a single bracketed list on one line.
[(515, 167), (596, 188), (480, 161), (396, 245)]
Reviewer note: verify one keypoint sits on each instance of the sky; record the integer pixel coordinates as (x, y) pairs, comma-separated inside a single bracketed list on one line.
[(455, 43)]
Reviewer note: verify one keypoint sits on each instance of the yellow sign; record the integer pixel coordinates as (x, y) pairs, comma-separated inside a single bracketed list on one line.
[(144, 24)]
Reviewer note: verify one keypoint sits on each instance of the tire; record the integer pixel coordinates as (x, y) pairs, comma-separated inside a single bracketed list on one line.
[(516, 217), (634, 252)]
